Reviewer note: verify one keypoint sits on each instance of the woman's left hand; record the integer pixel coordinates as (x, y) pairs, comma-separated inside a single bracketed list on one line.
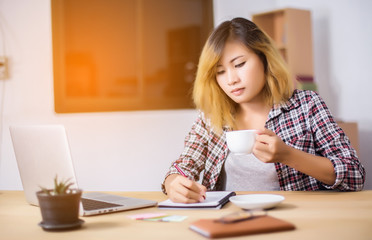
[(270, 148)]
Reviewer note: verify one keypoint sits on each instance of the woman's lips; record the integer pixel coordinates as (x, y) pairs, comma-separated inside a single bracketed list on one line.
[(237, 91)]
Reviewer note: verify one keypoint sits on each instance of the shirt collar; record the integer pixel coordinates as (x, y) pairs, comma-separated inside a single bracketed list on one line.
[(291, 103)]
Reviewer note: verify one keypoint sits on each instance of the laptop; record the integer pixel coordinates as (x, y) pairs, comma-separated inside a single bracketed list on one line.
[(42, 153)]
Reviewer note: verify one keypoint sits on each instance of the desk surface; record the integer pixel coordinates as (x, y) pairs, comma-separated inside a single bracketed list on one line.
[(317, 215)]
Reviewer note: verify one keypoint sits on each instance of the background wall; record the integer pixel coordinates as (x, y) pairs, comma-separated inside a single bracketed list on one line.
[(132, 150)]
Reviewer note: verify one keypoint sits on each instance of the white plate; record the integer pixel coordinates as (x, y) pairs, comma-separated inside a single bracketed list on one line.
[(257, 201)]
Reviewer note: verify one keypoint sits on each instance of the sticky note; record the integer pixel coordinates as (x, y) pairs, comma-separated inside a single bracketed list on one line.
[(174, 218), (147, 216)]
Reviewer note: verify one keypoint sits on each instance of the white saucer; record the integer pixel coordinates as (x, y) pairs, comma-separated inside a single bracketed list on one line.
[(257, 201)]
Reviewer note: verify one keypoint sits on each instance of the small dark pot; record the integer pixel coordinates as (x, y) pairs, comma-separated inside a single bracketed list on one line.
[(60, 211)]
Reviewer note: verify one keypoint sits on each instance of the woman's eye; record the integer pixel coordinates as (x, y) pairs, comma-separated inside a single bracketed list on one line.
[(220, 72), (240, 65)]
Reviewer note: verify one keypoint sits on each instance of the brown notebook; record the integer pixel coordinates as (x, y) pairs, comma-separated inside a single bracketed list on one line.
[(263, 224)]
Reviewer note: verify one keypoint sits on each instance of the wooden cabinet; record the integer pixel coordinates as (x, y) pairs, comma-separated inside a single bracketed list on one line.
[(291, 31), (351, 130)]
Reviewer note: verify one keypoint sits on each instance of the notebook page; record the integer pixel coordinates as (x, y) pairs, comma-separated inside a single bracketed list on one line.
[(213, 199)]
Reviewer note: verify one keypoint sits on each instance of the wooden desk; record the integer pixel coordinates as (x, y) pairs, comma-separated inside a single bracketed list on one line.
[(317, 215)]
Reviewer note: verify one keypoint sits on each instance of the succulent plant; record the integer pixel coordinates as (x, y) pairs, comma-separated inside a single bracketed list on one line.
[(60, 187)]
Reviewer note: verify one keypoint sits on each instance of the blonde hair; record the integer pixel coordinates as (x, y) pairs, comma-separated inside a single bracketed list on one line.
[(207, 94)]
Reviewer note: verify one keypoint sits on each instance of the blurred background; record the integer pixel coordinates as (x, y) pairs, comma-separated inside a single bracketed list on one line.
[(126, 129)]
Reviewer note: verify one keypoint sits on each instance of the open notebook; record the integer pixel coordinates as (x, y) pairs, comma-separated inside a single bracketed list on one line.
[(42, 152), (214, 199)]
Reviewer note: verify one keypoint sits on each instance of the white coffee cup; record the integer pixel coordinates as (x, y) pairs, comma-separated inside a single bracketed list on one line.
[(241, 141)]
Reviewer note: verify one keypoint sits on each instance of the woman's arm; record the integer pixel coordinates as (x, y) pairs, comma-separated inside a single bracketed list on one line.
[(316, 144), (270, 148), (191, 161)]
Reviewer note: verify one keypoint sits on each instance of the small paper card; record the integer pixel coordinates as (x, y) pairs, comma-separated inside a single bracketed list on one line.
[(170, 218), (158, 217), (147, 215)]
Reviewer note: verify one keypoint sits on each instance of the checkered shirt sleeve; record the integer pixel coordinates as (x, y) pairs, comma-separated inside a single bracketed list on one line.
[(204, 150), (306, 123)]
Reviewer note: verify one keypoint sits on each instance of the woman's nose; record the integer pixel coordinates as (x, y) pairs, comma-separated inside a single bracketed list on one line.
[(232, 78)]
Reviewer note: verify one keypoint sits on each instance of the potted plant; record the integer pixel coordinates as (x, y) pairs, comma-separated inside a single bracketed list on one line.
[(60, 206)]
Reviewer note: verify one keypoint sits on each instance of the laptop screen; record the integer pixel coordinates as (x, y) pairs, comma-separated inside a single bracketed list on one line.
[(42, 153)]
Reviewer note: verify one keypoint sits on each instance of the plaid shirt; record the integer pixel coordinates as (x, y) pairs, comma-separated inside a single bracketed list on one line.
[(303, 122)]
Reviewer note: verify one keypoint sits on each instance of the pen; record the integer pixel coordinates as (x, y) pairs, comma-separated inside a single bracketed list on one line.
[(182, 173), (179, 170)]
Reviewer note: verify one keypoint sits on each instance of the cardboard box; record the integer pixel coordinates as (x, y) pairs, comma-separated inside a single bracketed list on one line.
[(351, 130)]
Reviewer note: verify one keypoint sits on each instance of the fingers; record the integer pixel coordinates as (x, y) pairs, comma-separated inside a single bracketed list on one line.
[(265, 131), (184, 190), (202, 188), (264, 148), (262, 153), (191, 190), (269, 147), (264, 136)]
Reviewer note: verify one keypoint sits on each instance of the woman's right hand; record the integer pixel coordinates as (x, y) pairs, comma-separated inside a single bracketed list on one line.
[(183, 190)]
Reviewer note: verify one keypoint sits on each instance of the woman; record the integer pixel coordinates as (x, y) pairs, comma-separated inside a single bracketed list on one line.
[(243, 83)]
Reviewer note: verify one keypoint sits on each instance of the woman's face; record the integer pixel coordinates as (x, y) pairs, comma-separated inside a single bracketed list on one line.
[(240, 73)]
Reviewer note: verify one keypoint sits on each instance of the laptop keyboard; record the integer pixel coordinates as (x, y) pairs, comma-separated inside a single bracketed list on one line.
[(90, 204)]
